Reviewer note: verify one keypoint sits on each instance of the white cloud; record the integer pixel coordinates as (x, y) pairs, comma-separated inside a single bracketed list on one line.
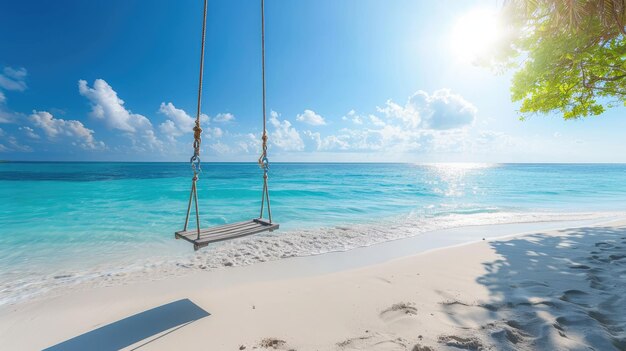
[(407, 114), (29, 132), (352, 116), (2, 147), (440, 110), (10, 80), (220, 148), (56, 128), (5, 116), (14, 144), (217, 132), (446, 110), (179, 118), (376, 121), (170, 130), (426, 125), (363, 139), (224, 117), (150, 140), (331, 142), (13, 79), (180, 122), (285, 136), (393, 139), (491, 137), (427, 122), (448, 140), (107, 106), (310, 117), (249, 143), (237, 144)]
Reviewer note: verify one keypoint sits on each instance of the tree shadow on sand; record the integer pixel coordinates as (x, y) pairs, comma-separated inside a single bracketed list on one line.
[(554, 292), (133, 329)]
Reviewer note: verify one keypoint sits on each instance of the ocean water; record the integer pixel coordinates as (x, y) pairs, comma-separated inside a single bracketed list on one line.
[(63, 224)]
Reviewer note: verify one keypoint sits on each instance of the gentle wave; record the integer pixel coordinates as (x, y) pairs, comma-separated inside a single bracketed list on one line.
[(24, 285)]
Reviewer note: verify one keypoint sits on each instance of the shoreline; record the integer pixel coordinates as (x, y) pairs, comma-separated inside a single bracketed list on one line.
[(228, 294), (363, 244)]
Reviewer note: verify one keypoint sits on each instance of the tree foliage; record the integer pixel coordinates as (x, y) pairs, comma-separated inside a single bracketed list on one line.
[(568, 55)]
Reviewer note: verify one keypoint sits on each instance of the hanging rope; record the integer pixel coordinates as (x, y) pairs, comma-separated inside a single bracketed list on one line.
[(263, 161), (197, 130), (197, 135)]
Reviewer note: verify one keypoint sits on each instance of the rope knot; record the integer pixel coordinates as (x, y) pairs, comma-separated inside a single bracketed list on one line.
[(197, 130)]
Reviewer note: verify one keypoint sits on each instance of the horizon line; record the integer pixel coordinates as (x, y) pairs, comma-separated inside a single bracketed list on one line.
[(319, 162)]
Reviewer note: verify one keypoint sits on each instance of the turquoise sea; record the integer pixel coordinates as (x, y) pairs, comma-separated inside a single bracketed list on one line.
[(67, 223)]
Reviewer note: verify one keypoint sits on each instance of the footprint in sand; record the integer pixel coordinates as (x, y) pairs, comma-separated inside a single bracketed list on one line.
[(572, 320), (603, 245), (376, 342), (511, 335), (420, 347), (577, 297), (472, 344), (505, 332), (399, 310), (597, 338)]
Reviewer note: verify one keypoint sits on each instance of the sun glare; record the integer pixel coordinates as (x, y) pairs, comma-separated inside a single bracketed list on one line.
[(474, 34)]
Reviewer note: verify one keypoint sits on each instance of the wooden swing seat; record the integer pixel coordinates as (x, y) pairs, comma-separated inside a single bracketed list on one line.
[(225, 232)]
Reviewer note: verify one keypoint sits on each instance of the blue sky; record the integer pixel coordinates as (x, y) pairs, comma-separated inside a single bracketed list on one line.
[(349, 80)]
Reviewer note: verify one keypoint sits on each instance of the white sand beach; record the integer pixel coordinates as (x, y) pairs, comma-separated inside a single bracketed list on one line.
[(540, 290), (443, 175)]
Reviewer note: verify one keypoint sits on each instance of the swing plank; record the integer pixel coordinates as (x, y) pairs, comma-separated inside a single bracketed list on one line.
[(225, 232)]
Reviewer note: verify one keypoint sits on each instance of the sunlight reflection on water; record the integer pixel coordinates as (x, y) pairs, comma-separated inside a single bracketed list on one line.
[(451, 176)]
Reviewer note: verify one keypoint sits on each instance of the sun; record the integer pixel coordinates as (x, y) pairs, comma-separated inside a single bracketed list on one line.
[(474, 34)]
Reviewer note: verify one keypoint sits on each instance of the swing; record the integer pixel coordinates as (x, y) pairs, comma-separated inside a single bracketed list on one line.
[(203, 237)]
